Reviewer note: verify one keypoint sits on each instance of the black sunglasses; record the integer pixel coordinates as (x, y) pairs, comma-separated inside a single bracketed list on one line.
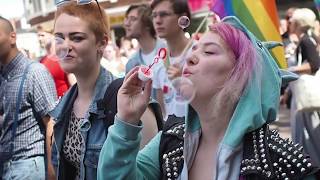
[(80, 2)]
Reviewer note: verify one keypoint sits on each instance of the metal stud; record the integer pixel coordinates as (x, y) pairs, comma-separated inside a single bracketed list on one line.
[(298, 165), (165, 156), (275, 164)]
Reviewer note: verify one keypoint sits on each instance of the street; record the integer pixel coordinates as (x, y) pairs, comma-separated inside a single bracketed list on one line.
[(283, 123)]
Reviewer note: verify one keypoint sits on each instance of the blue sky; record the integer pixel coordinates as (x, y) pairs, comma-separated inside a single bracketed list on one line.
[(11, 8)]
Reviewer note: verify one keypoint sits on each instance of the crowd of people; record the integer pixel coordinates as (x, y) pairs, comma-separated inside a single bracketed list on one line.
[(88, 115), (302, 48)]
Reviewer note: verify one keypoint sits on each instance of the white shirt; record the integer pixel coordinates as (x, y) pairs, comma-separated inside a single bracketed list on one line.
[(148, 60), (172, 107)]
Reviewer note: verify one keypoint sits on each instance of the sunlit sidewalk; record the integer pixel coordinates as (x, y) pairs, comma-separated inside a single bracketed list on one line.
[(283, 122)]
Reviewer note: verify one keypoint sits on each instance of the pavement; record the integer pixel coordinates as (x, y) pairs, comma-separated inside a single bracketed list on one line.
[(282, 124)]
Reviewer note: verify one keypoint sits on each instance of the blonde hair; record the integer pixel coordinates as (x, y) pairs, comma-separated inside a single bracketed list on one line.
[(305, 17)]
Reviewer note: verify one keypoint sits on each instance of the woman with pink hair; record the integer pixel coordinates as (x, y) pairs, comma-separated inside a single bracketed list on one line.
[(225, 134)]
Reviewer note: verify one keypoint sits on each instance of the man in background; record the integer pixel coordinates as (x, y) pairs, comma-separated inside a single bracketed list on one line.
[(165, 15), (25, 133), (138, 25)]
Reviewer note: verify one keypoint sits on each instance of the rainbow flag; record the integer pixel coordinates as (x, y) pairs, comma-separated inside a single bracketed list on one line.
[(260, 17)]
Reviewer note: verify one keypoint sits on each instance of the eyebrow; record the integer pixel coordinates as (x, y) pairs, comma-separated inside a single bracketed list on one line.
[(70, 34), (166, 11), (211, 43)]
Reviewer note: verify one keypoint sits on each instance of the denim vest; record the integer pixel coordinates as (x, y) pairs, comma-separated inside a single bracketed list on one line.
[(92, 130)]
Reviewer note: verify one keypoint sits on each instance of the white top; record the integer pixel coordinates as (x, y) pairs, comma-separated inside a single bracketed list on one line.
[(172, 107), (148, 60)]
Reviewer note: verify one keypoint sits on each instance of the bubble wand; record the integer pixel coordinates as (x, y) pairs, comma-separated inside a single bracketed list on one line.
[(162, 53), (145, 72)]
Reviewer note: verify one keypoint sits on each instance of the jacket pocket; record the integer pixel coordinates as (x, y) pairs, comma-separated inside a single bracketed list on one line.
[(91, 161), (92, 156)]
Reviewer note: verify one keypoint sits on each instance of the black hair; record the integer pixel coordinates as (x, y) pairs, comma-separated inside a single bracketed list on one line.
[(179, 7), (8, 26)]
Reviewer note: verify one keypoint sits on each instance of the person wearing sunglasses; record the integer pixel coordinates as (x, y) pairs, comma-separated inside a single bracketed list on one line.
[(80, 122)]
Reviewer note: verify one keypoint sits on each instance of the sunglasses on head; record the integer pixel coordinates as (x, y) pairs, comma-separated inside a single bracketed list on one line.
[(80, 2), (59, 3)]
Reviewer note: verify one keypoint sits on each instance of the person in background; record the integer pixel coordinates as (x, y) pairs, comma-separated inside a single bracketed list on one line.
[(25, 134), (302, 23), (126, 47), (113, 61), (138, 25), (289, 39), (290, 43), (305, 125), (80, 122), (165, 15), (43, 37), (225, 134), (61, 79)]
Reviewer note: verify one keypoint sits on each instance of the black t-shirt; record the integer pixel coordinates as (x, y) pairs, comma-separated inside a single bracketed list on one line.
[(308, 48)]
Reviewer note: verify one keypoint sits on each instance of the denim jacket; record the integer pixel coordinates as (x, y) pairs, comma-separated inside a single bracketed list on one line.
[(92, 130)]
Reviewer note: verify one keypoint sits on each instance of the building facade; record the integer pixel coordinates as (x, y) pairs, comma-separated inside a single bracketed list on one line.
[(41, 13)]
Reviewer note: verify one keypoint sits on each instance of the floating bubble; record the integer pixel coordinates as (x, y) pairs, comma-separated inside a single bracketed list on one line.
[(184, 90), (61, 48), (184, 22)]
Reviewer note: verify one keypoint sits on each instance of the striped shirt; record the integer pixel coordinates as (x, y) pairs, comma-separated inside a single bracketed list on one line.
[(38, 97)]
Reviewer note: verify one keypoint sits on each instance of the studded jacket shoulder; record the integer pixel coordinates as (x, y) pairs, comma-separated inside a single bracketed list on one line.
[(265, 155), (171, 148)]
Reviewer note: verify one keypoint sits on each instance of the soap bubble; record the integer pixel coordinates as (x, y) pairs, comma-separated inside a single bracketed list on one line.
[(184, 22), (184, 90), (61, 48)]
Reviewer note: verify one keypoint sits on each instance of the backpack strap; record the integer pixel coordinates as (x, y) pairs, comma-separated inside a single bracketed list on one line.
[(109, 105), (109, 102), (171, 147), (267, 156), (156, 109)]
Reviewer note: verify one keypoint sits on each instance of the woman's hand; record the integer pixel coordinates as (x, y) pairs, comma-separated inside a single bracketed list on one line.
[(133, 97)]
